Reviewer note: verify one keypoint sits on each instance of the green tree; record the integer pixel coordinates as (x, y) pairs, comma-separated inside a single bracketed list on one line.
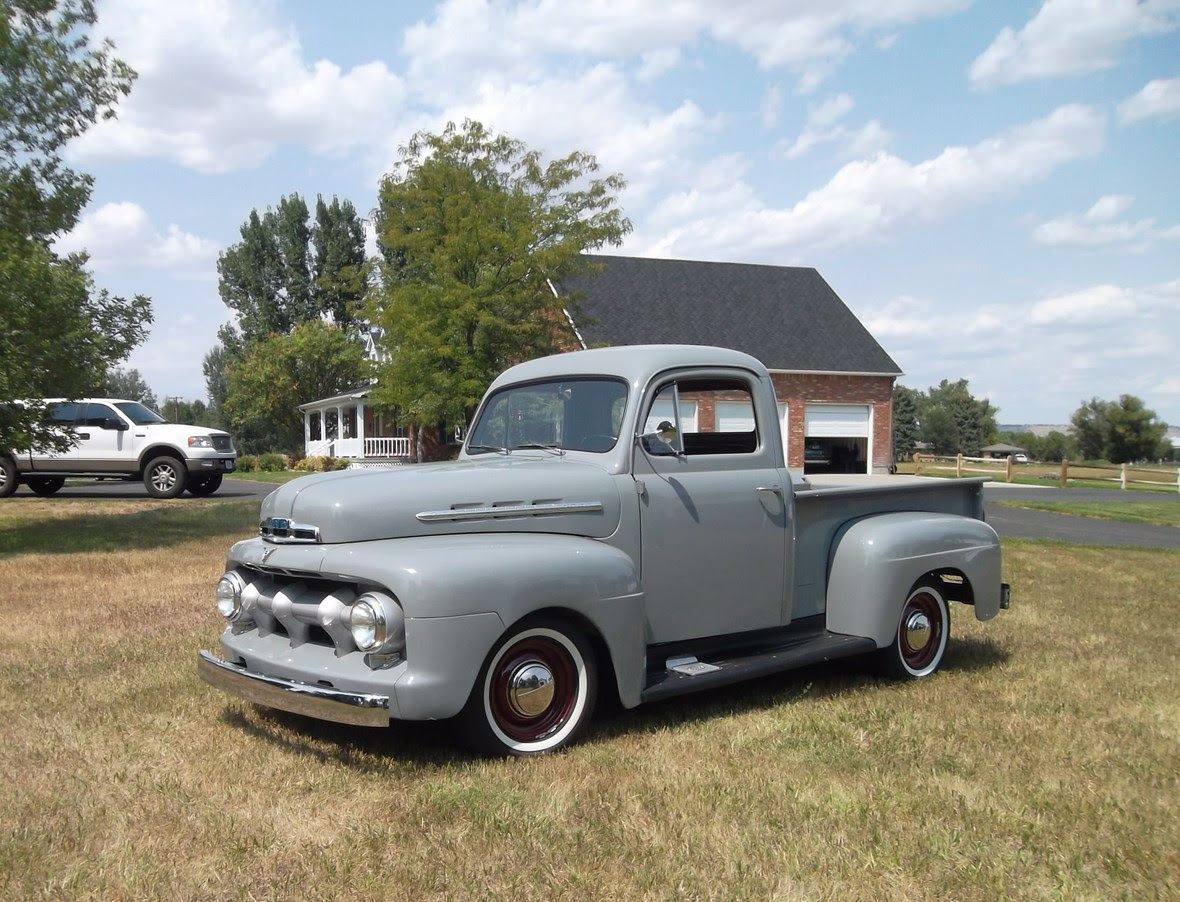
[(974, 419), (129, 383), (1055, 447), (316, 360), (473, 229), (286, 271), (339, 268), (905, 421), (1122, 431), (58, 333)]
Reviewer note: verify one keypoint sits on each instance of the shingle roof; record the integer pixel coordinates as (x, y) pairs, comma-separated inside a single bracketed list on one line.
[(786, 316)]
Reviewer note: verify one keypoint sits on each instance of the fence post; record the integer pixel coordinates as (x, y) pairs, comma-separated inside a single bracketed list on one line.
[(917, 463), (1064, 472), (1009, 479), (959, 465), (1123, 477)]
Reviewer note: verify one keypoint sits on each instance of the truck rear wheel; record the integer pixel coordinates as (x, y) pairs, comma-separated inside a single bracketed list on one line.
[(45, 485), (919, 644), (164, 477), (535, 692), (8, 478)]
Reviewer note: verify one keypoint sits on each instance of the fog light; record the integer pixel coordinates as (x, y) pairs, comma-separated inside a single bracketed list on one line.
[(229, 596)]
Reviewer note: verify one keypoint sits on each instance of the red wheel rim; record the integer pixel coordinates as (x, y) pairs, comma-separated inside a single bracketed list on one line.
[(919, 636), (539, 716)]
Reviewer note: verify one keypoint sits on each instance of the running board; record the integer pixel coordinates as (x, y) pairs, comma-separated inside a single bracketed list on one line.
[(686, 674)]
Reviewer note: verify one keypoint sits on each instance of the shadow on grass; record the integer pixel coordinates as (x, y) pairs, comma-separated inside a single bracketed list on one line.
[(426, 745), (91, 530)]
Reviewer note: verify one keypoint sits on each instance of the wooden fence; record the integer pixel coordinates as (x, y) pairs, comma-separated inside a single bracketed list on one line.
[(1124, 474)]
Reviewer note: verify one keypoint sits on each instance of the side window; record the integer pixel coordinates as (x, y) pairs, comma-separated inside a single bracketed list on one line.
[(716, 415), (64, 413), (93, 415)]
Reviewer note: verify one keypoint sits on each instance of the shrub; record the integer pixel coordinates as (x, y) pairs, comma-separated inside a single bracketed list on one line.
[(341, 464), (271, 463), (247, 463)]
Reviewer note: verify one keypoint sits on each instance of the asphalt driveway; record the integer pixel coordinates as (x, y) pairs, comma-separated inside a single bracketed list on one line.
[(1033, 524)]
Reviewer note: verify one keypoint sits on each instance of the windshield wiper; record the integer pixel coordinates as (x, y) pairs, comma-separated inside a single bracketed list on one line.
[(478, 448), (552, 449)]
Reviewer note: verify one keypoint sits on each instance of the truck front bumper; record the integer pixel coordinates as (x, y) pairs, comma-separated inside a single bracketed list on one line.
[(359, 709)]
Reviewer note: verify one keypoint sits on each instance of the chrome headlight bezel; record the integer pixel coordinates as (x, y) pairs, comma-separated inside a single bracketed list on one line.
[(376, 623), (200, 441), (229, 596)]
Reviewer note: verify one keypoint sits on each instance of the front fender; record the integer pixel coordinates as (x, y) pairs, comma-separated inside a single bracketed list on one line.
[(510, 575), (876, 561)]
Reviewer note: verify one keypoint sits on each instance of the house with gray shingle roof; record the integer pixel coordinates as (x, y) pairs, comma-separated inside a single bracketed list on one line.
[(833, 380)]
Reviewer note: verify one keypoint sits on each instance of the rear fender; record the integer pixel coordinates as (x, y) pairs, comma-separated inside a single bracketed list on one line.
[(876, 561)]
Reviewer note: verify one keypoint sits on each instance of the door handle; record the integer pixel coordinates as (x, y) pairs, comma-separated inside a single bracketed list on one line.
[(776, 489)]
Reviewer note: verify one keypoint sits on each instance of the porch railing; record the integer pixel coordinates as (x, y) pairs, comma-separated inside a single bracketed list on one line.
[(387, 447)]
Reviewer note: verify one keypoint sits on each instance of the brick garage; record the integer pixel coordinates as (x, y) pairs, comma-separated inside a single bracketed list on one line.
[(833, 380)]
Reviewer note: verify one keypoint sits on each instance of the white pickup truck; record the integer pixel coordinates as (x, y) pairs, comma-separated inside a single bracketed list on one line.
[(601, 532), (113, 438)]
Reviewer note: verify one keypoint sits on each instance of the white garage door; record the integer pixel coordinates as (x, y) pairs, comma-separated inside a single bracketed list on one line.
[(735, 416), (836, 421)]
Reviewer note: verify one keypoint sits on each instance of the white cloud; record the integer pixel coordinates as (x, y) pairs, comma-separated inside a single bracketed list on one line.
[(1091, 305), (1069, 346), (1100, 225), (121, 236), (1070, 37), (222, 84), (823, 127), (866, 199), (466, 39), (1157, 99)]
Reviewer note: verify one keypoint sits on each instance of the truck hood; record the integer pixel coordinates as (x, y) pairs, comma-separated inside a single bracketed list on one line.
[(521, 494)]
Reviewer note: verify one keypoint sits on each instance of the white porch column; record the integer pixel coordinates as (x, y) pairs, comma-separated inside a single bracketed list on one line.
[(360, 424), (307, 432)]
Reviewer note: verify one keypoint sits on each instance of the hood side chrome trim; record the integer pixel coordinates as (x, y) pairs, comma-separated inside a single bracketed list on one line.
[(513, 510)]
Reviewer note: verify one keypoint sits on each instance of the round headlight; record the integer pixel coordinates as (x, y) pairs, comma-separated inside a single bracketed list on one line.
[(377, 624), (368, 624), (229, 596)]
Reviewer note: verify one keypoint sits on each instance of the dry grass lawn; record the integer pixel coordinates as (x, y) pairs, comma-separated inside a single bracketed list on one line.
[(1043, 762)]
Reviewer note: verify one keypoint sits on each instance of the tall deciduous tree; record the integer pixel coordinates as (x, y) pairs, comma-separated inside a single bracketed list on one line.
[(58, 334), (315, 360), (130, 384), (286, 270), (1122, 431), (472, 228)]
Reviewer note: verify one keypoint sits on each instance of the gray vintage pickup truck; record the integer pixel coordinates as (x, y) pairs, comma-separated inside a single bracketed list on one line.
[(619, 520)]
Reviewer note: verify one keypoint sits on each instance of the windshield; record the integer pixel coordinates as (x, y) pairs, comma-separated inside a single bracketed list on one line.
[(580, 414), (138, 414)]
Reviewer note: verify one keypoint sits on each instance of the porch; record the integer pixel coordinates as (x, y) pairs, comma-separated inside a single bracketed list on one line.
[(345, 426)]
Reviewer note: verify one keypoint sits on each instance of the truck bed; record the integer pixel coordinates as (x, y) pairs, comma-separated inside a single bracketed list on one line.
[(825, 503)]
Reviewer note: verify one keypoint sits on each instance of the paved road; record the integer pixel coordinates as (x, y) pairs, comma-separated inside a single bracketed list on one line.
[(1033, 524), (231, 489)]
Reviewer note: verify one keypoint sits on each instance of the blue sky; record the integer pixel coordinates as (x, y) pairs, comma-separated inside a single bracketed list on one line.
[(992, 187)]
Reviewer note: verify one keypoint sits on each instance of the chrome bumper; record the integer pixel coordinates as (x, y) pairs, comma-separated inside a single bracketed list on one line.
[(299, 698)]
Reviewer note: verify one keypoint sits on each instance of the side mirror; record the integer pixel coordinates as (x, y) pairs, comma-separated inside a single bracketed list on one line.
[(664, 442), (115, 423)]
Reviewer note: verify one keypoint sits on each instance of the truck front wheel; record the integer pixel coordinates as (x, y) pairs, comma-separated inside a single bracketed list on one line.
[(535, 692), (204, 485), (164, 477), (922, 632)]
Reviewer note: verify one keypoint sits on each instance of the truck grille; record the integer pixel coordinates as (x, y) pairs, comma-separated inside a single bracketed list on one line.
[(222, 442), (306, 610)]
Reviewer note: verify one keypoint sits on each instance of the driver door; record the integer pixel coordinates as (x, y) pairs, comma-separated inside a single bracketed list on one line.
[(713, 515)]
